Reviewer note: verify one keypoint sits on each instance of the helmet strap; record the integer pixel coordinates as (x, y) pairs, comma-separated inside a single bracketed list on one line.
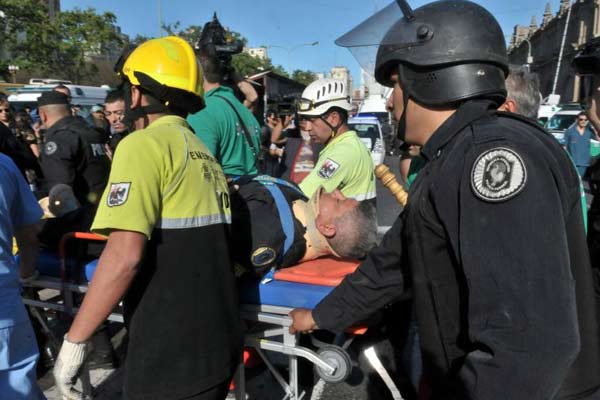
[(132, 115), (334, 129), (401, 128)]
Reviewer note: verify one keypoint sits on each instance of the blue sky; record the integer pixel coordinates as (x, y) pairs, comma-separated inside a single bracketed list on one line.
[(287, 23)]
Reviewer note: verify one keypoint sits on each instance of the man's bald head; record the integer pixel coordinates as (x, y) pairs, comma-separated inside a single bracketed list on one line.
[(52, 113)]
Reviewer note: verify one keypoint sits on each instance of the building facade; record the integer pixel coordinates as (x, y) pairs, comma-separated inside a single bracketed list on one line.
[(540, 47), (258, 52), (343, 74)]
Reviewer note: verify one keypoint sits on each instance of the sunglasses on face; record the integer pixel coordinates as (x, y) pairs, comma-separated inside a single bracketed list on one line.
[(583, 119), (4, 110)]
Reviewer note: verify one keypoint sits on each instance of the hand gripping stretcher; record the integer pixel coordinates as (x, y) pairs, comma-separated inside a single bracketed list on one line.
[(265, 306)]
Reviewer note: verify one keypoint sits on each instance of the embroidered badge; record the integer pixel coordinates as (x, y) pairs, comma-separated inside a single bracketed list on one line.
[(498, 174), (118, 194), (263, 256), (50, 148), (328, 168)]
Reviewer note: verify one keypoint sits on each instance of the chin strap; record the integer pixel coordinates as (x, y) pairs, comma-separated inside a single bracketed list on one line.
[(132, 115), (401, 128), (334, 129)]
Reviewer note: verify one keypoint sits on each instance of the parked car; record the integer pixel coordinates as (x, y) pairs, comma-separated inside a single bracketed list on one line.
[(369, 131), (84, 96), (560, 122), (548, 107)]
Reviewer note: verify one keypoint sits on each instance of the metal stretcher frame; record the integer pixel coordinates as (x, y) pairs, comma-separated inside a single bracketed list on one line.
[(333, 366), (277, 321), (61, 284)]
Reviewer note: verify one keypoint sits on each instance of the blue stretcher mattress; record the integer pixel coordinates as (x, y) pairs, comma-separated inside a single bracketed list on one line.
[(48, 264), (282, 293), (274, 292)]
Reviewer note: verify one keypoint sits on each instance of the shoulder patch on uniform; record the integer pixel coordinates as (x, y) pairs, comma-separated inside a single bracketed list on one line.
[(118, 194), (328, 168), (498, 174), (50, 148), (263, 256)]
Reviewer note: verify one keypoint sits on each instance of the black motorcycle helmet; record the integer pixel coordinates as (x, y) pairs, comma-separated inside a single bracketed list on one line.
[(445, 52)]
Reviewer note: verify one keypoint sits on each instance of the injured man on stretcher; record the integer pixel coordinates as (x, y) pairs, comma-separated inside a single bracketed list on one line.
[(275, 225)]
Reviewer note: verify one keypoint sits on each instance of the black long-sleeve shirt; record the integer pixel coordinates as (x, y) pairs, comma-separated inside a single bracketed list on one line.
[(492, 244)]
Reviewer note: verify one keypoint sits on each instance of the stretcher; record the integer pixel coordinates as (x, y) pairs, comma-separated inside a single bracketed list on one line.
[(265, 305), (269, 302)]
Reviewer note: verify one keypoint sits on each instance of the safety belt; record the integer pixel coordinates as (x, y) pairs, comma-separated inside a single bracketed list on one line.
[(283, 207), (247, 135), (285, 213)]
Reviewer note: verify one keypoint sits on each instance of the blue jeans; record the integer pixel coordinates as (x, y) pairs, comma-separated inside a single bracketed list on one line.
[(18, 357)]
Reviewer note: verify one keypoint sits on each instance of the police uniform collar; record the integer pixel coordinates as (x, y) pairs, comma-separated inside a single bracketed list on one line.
[(65, 122), (466, 113)]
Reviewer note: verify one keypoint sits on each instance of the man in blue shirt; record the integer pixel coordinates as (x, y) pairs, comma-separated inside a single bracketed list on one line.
[(19, 214), (577, 140)]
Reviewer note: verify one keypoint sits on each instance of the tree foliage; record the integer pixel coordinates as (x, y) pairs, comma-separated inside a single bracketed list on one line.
[(80, 45), (84, 36), (304, 77), (244, 63), (67, 46)]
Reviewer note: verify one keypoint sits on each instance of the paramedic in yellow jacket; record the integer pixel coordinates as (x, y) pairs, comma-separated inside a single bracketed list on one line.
[(345, 163), (165, 212)]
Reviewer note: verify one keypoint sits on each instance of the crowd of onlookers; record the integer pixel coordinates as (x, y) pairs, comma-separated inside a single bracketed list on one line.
[(22, 132)]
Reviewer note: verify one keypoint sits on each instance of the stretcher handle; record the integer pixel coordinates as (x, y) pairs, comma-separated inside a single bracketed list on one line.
[(63, 244), (388, 179)]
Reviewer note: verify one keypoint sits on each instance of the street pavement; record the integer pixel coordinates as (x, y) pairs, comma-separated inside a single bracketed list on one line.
[(361, 385)]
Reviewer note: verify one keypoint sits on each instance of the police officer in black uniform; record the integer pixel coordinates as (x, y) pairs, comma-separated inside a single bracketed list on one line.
[(492, 239), (73, 153)]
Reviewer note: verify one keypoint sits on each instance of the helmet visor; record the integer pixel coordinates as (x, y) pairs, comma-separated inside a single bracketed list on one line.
[(306, 105), (390, 26)]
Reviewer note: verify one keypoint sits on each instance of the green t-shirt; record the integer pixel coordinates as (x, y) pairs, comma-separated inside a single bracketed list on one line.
[(344, 164), (219, 128), (163, 177)]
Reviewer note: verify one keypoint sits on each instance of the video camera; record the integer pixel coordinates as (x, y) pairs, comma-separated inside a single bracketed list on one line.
[(215, 43), (284, 105), (587, 60)]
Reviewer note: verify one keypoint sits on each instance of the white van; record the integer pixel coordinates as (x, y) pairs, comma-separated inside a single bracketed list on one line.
[(368, 130), (84, 96)]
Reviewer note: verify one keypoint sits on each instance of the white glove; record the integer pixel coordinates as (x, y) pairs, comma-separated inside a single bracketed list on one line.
[(67, 367)]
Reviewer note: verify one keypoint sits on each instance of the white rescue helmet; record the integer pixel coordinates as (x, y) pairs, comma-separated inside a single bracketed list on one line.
[(323, 94)]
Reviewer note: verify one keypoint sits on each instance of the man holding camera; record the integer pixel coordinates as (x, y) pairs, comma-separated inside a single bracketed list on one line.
[(226, 126)]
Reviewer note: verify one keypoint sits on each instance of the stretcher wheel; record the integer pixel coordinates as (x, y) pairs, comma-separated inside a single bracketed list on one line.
[(338, 358)]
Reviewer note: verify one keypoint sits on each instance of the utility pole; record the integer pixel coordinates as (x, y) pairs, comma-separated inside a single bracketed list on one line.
[(160, 21), (562, 48)]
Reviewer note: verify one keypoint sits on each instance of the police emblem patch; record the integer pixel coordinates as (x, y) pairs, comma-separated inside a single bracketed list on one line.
[(50, 148), (263, 256), (498, 174), (118, 194), (328, 169)]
